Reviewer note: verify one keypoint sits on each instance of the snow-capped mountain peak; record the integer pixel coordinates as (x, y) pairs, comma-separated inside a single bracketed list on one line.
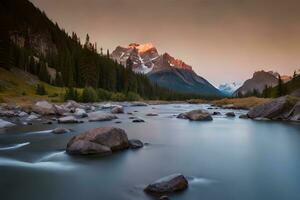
[(229, 88)]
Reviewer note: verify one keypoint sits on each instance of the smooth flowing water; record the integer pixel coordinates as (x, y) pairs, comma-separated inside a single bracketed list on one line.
[(225, 159)]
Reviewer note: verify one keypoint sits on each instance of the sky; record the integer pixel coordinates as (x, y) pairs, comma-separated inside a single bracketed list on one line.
[(223, 40)]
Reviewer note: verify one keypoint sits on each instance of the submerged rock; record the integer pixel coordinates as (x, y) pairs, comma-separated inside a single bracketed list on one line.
[(196, 115), (110, 137), (68, 120), (138, 121), (169, 184), (216, 113), (243, 117), (230, 114), (101, 116), (152, 114), (117, 110), (5, 124), (138, 103), (135, 144), (61, 130)]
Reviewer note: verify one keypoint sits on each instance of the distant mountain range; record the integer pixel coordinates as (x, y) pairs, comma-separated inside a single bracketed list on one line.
[(164, 69), (259, 81), (229, 88)]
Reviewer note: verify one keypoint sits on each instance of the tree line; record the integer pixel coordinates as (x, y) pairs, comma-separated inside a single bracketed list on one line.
[(33, 43)]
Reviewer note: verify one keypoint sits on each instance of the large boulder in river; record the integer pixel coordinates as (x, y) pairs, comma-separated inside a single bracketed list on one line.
[(117, 110), (139, 103), (46, 108), (101, 116), (169, 184), (68, 120), (111, 137), (79, 112), (5, 124), (278, 109), (196, 115), (85, 147), (61, 130)]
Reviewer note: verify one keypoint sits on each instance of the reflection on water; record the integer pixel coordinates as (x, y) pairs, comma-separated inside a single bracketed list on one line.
[(223, 159)]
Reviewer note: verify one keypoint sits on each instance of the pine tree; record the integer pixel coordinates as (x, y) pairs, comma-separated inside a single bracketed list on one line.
[(279, 87)]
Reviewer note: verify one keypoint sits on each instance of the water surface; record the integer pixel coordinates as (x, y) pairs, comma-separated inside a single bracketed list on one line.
[(226, 159)]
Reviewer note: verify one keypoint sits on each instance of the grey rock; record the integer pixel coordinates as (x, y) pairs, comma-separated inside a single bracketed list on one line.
[(5, 124), (196, 115), (85, 147), (169, 184), (111, 137), (117, 110), (68, 120), (138, 121), (135, 144), (61, 130), (230, 114), (101, 116)]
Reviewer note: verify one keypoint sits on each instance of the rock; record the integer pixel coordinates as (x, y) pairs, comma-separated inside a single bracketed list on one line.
[(68, 120), (85, 147), (61, 130), (281, 108), (117, 110), (152, 114), (5, 124), (8, 113), (230, 114), (131, 117), (243, 117), (111, 137), (138, 121), (118, 122), (32, 117), (48, 122), (79, 112), (101, 116), (164, 197), (129, 113), (135, 144), (72, 105), (23, 114), (138, 103), (46, 108), (294, 114), (169, 184), (196, 115), (261, 119), (216, 113)]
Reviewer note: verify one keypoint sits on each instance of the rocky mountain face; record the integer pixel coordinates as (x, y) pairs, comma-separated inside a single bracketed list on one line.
[(164, 69), (259, 81), (229, 88)]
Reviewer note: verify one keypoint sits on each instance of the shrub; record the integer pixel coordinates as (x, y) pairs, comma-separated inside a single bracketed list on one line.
[(118, 97), (40, 90), (89, 95), (71, 94), (132, 96), (103, 94)]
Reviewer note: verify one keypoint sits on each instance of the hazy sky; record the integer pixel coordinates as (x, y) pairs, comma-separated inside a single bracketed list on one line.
[(224, 40)]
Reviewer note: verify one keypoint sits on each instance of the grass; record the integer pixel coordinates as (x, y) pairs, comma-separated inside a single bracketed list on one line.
[(246, 103), (20, 88)]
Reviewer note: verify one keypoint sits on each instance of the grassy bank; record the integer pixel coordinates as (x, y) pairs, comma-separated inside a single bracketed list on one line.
[(19, 87), (246, 103)]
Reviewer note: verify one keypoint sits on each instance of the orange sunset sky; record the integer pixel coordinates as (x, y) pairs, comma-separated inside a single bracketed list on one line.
[(224, 40)]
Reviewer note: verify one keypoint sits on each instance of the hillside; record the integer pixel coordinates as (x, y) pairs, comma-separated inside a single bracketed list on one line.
[(164, 70), (34, 44)]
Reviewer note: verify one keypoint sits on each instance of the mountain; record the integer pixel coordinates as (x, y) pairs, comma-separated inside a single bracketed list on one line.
[(259, 82), (164, 70), (30, 41), (229, 88)]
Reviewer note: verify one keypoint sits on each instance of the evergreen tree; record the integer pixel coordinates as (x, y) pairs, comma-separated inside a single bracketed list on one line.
[(279, 87)]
